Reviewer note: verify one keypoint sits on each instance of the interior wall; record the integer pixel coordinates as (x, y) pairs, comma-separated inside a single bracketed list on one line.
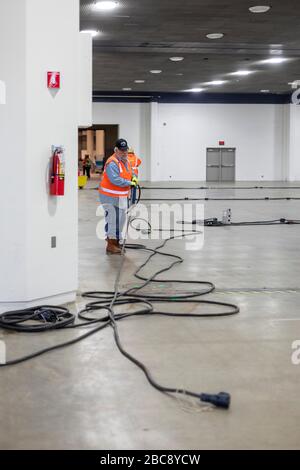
[(33, 119), (294, 143), (186, 130), (172, 138), (134, 126), (51, 119)]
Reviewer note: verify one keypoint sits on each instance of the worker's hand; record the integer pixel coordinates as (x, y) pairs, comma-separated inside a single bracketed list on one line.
[(134, 181)]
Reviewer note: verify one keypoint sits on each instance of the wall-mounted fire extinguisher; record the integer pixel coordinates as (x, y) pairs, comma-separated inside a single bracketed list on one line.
[(57, 172)]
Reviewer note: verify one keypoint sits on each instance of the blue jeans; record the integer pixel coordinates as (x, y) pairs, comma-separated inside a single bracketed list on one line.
[(115, 218)]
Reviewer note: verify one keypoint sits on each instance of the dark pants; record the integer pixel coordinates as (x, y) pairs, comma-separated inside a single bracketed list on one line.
[(87, 171)]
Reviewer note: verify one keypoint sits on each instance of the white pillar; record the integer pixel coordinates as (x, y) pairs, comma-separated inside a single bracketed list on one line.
[(37, 36), (154, 143), (294, 143)]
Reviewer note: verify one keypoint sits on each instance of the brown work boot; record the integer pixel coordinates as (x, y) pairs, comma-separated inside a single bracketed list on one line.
[(112, 247)]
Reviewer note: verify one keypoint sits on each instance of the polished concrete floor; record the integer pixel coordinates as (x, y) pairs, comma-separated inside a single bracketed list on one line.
[(90, 397)]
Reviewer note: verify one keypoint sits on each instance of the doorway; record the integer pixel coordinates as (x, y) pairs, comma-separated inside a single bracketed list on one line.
[(97, 142), (220, 164)]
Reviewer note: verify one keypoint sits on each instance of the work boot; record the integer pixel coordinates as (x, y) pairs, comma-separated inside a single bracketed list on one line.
[(112, 247)]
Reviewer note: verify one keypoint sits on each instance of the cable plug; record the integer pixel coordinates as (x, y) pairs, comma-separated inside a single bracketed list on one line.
[(46, 315), (221, 400)]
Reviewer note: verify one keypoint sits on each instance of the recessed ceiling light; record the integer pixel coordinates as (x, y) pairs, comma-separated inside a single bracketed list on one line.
[(139, 81), (275, 60), (265, 91), (260, 9), (195, 90), (216, 82), (92, 32), (215, 35), (275, 51), (106, 5), (155, 71), (176, 59), (242, 72), (127, 89), (179, 74)]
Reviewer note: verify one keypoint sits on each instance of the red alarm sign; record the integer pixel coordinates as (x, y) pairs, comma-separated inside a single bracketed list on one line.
[(221, 142), (53, 79)]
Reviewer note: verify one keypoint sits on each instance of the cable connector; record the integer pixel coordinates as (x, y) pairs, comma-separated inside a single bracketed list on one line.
[(221, 400)]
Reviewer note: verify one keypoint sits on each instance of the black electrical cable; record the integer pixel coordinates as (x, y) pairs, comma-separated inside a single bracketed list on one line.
[(214, 222), (219, 187), (47, 318), (290, 198), (37, 319), (114, 297)]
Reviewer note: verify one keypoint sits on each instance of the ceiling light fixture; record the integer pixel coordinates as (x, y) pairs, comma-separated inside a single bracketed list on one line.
[(260, 9), (106, 5), (216, 82), (215, 35), (155, 71), (127, 89), (195, 90), (242, 73), (275, 51), (92, 32), (265, 91), (176, 59), (139, 81), (274, 60)]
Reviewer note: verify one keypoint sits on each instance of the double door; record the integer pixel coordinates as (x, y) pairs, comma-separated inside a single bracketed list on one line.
[(220, 164)]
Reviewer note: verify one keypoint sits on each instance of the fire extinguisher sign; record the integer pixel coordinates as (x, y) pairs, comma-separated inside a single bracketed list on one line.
[(53, 80)]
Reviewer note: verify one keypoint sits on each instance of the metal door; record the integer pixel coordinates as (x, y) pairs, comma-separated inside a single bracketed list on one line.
[(220, 164), (213, 163), (228, 164)]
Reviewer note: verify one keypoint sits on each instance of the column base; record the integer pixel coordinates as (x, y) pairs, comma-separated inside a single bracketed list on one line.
[(61, 299)]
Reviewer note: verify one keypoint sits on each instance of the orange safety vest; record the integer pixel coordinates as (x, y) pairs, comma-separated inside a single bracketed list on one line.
[(108, 188), (134, 162)]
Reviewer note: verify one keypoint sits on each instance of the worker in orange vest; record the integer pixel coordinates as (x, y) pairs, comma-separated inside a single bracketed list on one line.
[(118, 178), (135, 162)]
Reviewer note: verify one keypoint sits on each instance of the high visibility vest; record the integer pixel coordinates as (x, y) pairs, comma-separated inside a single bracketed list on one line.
[(135, 162), (108, 188)]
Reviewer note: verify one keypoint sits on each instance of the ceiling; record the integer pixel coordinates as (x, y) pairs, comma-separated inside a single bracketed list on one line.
[(141, 35)]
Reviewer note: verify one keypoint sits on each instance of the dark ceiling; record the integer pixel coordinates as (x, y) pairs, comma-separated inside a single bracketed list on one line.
[(141, 35)]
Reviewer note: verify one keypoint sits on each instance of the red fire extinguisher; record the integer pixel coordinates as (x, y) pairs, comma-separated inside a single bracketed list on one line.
[(57, 176)]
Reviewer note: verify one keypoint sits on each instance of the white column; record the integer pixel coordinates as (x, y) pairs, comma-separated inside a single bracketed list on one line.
[(85, 74), (154, 143), (37, 36), (294, 143)]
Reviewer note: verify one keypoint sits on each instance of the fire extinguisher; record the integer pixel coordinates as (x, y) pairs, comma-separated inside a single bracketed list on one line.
[(57, 176)]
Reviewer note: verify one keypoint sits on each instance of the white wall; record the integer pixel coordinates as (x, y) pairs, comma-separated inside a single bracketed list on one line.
[(186, 130), (134, 126), (85, 75), (173, 138), (294, 143), (31, 121), (13, 197)]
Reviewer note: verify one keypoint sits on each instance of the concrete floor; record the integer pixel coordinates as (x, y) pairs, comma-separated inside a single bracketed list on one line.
[(89, 397)]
